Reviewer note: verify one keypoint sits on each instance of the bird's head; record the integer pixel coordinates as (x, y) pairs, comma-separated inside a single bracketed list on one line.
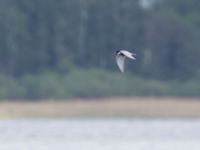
[(118, 51)]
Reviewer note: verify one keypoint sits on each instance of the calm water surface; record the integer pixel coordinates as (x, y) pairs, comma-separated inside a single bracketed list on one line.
[(99, 134)]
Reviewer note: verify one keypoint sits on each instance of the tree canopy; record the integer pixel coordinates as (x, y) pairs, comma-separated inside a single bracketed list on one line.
[(65, 34)]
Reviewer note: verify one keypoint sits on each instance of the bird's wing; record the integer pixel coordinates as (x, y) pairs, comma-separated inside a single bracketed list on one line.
[(120, 62), (128, 54)]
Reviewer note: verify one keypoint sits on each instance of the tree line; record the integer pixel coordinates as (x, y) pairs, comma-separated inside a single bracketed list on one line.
[(63, 35)]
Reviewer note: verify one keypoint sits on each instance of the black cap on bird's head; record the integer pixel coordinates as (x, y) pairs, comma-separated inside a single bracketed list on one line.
[(117, 51)]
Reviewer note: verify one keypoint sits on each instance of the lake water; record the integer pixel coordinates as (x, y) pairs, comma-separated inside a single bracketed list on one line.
[(100, 134)]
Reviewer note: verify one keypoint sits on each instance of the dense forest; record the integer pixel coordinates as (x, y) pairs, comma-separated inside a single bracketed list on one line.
[(65, 48)]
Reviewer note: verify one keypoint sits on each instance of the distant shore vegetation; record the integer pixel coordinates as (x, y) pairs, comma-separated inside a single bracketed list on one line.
[(47, 48), (91, 83)]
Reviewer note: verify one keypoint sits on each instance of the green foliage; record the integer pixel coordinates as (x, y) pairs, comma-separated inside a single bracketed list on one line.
[(67, 34), (90, 83), (60, 36), (11, 88)]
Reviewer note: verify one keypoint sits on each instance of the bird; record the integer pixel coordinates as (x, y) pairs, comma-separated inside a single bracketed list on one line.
[(120, 58)]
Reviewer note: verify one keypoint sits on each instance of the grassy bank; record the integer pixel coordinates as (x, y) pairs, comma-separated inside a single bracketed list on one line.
[(111, 107), (91, 83)]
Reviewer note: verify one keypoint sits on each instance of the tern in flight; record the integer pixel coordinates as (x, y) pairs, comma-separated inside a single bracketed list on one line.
[(120, 58)]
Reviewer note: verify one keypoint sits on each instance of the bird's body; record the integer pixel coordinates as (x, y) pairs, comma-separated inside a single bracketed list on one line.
[(120, 58)]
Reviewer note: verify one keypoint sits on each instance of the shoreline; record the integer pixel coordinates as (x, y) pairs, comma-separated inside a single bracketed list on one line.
[(119, 107)]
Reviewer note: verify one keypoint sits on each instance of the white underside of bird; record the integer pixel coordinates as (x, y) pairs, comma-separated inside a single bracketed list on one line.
[(120, 58)]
